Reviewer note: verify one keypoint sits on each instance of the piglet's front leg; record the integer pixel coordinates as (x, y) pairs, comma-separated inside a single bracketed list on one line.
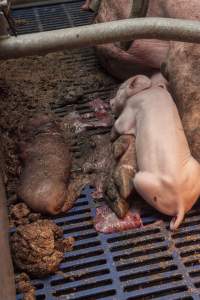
[(117, 204), (125, 169), (120, 187), (125, 124)]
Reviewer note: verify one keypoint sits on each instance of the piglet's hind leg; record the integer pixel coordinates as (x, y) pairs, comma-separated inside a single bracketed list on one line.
[(147, 185), (152, 190)]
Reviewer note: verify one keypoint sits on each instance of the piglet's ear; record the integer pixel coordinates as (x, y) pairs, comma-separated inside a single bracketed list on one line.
[(137, 84)]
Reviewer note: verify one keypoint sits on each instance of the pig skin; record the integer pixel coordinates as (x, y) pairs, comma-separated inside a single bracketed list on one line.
[(180, 9), (46, 164), (142, 56), (183, 72), (168, 177), (86, 5), (91, 5)]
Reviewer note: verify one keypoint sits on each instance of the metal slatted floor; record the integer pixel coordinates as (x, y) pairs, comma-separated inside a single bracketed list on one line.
[(142, 264)]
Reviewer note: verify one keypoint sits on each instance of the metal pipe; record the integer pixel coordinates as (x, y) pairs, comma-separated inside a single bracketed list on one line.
[(90, 35), (7, 283)]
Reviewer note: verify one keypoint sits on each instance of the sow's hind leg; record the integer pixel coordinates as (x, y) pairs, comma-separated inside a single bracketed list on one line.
[(153, 190)]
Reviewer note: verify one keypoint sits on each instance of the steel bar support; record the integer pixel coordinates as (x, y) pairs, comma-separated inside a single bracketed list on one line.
[(90, 35)]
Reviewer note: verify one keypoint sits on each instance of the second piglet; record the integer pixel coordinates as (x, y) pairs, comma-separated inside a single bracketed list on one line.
[(168, 177), (46, 164)]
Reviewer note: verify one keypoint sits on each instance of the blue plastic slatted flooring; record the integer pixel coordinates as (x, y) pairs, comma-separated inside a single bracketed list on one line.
[(146, 263), (142, 264)]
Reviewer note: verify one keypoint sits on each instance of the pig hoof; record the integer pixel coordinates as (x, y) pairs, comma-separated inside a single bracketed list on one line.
[(120, 207)]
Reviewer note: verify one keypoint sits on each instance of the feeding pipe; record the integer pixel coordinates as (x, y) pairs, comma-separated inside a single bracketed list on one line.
[(89, 35)]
